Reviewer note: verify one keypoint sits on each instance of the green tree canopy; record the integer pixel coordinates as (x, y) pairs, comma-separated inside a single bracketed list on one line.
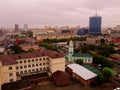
[(79, 61), (98, 59), (17, 49), (107, 74), (101, 78)]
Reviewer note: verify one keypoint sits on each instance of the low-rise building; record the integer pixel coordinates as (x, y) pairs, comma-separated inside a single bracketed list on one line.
[(71, 57), (61, 78), (81, 74), (14, 67)]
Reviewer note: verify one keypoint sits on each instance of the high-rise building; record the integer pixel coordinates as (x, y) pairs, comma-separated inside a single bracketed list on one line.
[(95, 25), (25, 27), (16, 27)]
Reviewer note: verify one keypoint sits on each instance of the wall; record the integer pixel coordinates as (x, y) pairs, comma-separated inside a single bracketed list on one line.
[(57, 64), (5, 77)]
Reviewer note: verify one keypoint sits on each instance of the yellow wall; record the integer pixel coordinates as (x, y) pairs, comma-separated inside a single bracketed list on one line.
[(5, 78), (57, 64)]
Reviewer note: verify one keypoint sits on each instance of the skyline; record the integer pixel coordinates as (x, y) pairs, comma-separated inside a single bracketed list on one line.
[(39, 13)]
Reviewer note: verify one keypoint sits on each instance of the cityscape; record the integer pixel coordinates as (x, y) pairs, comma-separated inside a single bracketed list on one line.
[(52, 55)]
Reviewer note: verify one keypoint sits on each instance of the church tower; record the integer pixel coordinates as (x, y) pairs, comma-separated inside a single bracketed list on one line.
[(71, 51)]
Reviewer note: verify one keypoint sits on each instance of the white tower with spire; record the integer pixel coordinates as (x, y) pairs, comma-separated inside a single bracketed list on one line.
[(71, 51)]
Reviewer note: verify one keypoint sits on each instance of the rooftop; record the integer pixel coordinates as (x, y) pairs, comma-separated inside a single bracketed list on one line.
[(81, 55), (23, 83), (11, 59), (111, 70), (82, 71), (92, 69)]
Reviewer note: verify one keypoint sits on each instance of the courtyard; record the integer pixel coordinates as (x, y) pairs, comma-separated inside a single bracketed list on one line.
[(73, 86)]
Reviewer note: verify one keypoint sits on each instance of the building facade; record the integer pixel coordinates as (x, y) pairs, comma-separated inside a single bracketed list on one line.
[(83, 75), (72, 56), (16, 27), (95, 25), (13, 67), (82, 31)]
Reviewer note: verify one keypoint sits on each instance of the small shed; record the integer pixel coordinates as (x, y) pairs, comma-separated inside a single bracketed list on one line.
[(60, 78)]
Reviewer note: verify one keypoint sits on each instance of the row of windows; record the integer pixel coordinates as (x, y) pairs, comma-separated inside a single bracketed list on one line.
[(25, 66), (33, 60), (33, 70), (29, 71), (33, 65)]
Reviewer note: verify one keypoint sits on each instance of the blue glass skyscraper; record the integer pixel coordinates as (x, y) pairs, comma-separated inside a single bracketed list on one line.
[(95, 25)]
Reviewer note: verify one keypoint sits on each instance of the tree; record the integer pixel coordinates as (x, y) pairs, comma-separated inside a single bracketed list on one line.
[(92, 47), (79, 61), (107, 74), (102, 41), (101, 78), (106, 49), (77, 50), (85, 49), (98, 59), (17, 49), (118, 51), (31, 50), (49, 46), (104, 52)]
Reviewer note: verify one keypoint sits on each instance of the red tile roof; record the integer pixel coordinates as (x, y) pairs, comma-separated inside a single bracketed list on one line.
[(116, 40), (11, 59)]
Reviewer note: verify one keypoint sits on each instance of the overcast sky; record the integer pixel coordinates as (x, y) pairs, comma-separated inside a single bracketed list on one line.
[(38, 13)]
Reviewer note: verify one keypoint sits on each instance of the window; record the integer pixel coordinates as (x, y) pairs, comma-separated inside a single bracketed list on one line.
[(25, 71), (29, 71), (36, 59), (21, 67), (43, 58), (25, 66), (36, 64), (10, 68), (47, 68), (24, 61), (40, 59), (17, 62), (20, 61), (11, 80), (32, 60), (29, 65), (33, 70), (17, 73), (10, 74), (47, 58), (28, 60), (21, 72), (36, 69), (16, 67), (44, 68), (88, 60), (40, 69), (33, 65), (43, 63), (40, 64)]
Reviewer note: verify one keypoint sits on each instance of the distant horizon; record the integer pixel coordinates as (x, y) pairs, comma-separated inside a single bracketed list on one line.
[(21, 26), (40, 13)]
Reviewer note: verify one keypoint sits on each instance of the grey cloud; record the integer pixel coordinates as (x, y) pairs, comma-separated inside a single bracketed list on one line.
[(57, 12)]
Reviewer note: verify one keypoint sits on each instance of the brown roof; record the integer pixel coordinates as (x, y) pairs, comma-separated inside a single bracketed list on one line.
[(61, 78), (11, 59)]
